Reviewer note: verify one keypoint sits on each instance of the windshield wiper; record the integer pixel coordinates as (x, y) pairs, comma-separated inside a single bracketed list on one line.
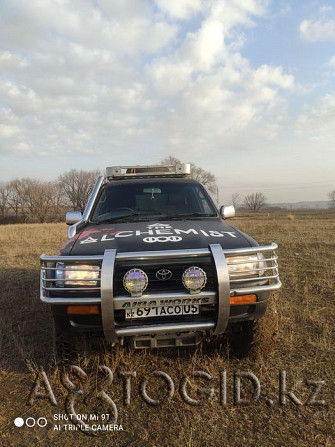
[(124, 217), (158, 216), (186, 215)]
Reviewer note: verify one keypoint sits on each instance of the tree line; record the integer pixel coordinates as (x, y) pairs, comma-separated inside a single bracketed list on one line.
[(30, 200)]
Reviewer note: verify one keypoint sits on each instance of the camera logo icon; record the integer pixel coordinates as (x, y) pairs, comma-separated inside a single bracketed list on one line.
[(30, 422)]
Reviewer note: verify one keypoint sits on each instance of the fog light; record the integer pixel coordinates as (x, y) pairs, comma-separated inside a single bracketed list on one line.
[(194, 279), (135, 281)]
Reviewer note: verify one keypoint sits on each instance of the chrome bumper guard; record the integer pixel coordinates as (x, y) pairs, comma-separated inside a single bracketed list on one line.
[(229, 284)]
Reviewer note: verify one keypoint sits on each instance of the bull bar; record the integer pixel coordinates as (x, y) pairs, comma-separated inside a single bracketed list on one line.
[(227, 285)]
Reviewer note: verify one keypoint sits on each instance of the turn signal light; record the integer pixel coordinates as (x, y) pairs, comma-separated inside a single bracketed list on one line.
[(243, 299), (83, 310)]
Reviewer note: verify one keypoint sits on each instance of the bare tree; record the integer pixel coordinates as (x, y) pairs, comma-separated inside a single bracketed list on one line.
[(30, 198), (235, 199), (38, 196), (206, 178), (17, 197), (331, 195), (77, 186), (58, 201), (4, 194), (255, 201)]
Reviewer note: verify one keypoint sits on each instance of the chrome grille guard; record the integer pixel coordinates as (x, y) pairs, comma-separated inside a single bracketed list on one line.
[(261, 279)]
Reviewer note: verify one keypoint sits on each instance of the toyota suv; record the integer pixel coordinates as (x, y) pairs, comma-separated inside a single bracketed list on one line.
[(152, 261)]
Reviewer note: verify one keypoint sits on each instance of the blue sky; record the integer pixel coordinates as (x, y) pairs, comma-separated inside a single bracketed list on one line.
[(243, 89)]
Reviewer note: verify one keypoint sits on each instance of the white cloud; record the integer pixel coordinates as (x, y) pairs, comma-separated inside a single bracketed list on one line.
[(318, 121), (125, 75), (234, 108), (181, 9), (232, 13), (318, 30), (34, 23), (10, 60), (332, 61), (19, 99), (273, 75), (169, 77), (205, 47)]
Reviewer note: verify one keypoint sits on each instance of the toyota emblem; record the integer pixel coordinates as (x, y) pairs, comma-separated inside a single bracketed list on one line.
[(163, 275)]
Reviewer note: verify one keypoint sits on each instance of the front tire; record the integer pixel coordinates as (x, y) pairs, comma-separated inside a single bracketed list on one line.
[(241, 337), (65, 341)]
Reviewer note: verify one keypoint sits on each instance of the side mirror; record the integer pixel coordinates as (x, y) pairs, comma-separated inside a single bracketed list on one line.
[(72, 217), (227, 211)]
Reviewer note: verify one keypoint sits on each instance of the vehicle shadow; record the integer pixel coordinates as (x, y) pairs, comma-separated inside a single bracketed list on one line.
[(25, 323)]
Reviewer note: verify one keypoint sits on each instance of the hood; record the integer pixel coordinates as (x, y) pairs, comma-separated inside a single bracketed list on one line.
[(150, 236)]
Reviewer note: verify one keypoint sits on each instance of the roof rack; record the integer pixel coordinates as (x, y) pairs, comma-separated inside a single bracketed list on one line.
[(120, 172)]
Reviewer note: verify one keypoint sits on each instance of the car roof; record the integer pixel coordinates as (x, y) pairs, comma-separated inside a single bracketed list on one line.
[(152, 180)]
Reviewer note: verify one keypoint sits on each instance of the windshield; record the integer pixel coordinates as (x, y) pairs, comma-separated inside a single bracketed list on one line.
[(156, 199)]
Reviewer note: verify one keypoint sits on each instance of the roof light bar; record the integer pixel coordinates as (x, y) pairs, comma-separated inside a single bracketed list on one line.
[(178, 170)]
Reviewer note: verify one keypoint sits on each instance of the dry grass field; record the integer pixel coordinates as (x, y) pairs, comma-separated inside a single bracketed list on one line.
[(296, 336)]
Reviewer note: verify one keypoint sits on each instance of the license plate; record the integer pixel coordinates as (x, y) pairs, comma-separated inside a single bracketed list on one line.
[(164, 311)]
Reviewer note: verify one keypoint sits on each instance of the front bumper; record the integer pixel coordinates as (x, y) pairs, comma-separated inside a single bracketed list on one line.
[(218, 311)]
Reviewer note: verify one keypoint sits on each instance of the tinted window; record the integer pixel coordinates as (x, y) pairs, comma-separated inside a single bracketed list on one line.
[(152, 199)]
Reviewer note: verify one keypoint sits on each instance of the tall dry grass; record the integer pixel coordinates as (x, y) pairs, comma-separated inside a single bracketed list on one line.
[(296, 335)]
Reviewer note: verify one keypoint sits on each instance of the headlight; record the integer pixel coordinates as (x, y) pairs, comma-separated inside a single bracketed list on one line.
[(76, 275), (243, 266), (135, 281), (194, 279)]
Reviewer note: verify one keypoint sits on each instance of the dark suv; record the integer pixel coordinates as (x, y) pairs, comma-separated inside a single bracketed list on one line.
[(152, 261)]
